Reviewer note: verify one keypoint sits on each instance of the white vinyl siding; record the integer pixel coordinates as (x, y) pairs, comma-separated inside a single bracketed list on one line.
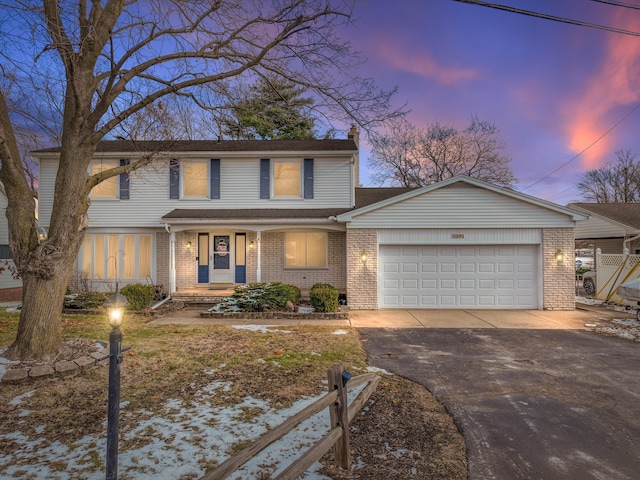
[(306, 250), (485, 277), (461, 207), (239, 188)]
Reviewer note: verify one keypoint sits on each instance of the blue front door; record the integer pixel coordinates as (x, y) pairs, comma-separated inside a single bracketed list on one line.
[(203, 258)]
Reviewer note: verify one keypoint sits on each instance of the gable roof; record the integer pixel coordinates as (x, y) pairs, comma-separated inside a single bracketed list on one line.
[(127, 146), (625, 214), (461, 179)]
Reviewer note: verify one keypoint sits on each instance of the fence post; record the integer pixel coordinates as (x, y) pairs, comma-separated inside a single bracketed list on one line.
[(339, 415)]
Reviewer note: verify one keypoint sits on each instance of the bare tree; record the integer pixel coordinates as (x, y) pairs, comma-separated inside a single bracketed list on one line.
[(79, 69), (616, 182), (411, 157)]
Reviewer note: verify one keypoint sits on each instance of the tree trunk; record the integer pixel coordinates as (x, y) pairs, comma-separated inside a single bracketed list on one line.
[(40, 330)]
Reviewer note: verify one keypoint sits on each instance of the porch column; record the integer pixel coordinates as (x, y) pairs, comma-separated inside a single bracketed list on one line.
[(172, 263), (259, 269)]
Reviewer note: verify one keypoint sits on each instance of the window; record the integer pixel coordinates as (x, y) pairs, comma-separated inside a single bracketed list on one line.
[(107, 188), (196, 179), (113, 187), (5, 252), (116, 256), (286, 179), (308, 249)]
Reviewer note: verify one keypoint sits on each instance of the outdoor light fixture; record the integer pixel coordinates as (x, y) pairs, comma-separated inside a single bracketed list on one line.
[(189, 245), (363, 258), (559, 256), (251, 244), (115, 306)]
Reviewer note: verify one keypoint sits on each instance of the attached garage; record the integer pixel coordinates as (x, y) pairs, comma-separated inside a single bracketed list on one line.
[(461, 243), (469, 276)]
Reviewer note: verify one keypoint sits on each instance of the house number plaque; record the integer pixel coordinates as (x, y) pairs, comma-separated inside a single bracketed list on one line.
[(457, 235)]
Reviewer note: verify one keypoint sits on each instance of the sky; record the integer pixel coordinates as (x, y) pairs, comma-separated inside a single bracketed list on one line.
[(551, 88)]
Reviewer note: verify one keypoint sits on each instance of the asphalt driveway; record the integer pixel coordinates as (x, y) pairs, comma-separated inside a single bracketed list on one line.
[(531, 403)]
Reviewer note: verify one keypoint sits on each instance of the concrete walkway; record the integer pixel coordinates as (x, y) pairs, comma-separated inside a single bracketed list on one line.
[(529, 319)]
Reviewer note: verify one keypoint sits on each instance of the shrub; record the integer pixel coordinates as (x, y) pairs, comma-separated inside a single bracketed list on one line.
[(138, 295), (324, 297), (258, 297), (87, 300)]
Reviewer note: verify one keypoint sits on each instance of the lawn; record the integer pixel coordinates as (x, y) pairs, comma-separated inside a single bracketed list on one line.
[(192, 395)]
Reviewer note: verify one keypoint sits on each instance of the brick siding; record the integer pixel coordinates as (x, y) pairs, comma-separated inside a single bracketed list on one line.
[(362, 277), (558, 278)]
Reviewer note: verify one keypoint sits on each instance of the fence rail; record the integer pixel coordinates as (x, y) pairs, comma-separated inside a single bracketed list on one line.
[(340, 413)]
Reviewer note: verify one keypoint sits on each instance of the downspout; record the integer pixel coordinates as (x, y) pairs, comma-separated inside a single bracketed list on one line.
[(172, 259)]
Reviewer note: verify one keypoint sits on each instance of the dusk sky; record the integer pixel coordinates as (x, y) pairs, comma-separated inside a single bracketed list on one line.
[(551, 88)]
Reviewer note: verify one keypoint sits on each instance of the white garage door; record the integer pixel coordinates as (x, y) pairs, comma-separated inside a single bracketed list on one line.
[(458, 277)]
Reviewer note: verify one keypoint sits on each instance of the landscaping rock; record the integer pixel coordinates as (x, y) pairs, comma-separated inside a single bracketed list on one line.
[(85, 363), (15, 375), (41, 371), (67, 369)]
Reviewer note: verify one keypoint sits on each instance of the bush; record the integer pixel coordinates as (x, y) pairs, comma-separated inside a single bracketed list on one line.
[(324, 297), (259, 297), (87, 300), (138, 295)]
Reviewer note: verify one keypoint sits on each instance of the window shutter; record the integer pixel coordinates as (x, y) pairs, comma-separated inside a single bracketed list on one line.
[(174, 178), (214, 188), (124, 181), (308, 178), (265, 174)]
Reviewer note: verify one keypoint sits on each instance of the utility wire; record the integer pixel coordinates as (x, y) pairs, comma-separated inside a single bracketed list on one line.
[(587, 148), (618, 4), (551, 17)]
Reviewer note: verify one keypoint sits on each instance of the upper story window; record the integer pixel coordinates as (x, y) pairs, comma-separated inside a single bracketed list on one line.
[(107, 188), (286, 179), (194, 178), (113, 187)]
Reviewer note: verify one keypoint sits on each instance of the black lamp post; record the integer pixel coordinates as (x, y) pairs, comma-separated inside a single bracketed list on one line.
[(115, 307)]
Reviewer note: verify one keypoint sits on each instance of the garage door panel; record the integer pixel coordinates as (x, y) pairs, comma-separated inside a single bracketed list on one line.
[(391, 267), (429, 283), (467, 284), (458, 277), (448, 267)]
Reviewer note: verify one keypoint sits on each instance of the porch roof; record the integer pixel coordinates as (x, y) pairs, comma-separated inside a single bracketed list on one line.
[(364, 196), (252, 213)]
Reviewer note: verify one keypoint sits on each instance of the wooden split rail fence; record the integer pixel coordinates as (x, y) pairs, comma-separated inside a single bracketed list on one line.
[(340, 414)]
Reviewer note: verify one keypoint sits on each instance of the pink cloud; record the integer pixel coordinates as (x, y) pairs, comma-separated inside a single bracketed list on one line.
[(616, 84), (421, 63)]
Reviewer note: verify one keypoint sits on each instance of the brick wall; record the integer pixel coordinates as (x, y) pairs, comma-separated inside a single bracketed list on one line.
[(273, 263), (186, 259), (558, 278), (162, 259), (362, 277)]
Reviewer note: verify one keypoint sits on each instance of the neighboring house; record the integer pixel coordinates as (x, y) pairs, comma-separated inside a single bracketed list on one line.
[(10, 287), (609, 226), (211, 214)]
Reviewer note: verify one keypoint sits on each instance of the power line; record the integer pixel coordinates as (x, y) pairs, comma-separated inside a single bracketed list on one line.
[(587, 148), (618, 4), (553, 17)]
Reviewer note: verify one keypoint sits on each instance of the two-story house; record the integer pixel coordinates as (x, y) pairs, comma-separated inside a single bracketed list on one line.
[(211, 214), (10, 286)]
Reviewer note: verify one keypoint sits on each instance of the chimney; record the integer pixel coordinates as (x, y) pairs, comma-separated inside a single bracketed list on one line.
[(354, 134)]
